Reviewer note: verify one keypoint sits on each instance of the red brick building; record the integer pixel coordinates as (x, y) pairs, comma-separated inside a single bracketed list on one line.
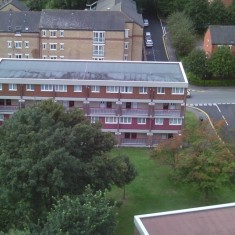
[(141, 103), (219, 35)]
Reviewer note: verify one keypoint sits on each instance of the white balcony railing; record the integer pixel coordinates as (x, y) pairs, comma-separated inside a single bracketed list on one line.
[(140, 141), (135, 112), (168, 112), (102, 111), (9, 108)]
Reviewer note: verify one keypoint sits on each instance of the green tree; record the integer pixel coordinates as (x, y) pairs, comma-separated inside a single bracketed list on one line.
[(198, 12), (47, 152), (88, 214), (196, 63), (222, 63), (181, 33)]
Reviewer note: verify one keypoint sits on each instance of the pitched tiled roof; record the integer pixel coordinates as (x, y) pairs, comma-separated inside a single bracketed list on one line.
[(18, 4), (127, 7), (84, 20), (222, 34), (24, 21)]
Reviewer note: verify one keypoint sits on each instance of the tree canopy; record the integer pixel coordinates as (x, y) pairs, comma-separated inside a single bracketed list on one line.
[(46, 152)]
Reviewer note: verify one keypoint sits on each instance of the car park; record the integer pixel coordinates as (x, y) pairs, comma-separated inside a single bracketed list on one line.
[(146, 22)]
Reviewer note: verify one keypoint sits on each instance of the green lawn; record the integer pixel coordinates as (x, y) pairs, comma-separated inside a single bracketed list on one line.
[(154, 190)]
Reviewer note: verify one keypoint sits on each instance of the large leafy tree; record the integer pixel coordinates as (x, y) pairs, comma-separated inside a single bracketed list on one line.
[(88, 214), (196, 63), (47, 152), (222, 63), (198, 12), (181, 33)]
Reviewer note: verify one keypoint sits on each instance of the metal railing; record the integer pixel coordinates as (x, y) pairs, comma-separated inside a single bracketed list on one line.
[(135, 112), (140, 141), (102, 111), (168, 112), (7, 108)]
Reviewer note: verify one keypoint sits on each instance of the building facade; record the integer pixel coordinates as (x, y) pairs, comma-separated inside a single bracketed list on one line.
[(73, 34), (217, 36), (141, 103)]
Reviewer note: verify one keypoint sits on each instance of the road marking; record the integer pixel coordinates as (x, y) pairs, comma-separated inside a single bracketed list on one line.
[(221, 114)]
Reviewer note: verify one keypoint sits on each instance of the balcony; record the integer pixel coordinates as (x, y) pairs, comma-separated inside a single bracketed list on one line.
[(133, 142), (167, 113), (9, 108), (135, 112), (102, 111)]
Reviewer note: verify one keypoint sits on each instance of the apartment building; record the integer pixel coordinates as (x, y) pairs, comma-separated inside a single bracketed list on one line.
[(141, 103), (73, 34)]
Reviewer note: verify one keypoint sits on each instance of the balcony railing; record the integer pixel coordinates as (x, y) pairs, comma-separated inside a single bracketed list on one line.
[(168, 112), (140, 141), (9, 108), (135, 112), (102, 111)]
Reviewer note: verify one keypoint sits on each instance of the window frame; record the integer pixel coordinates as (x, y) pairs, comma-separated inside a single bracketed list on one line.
[(18, 46), (30, 87), (26, 44), (98, 50), (44, 33), (9, 44), (98, 36), (77, 90), (141, 121), (95, 89), (12, 87), (161, 90), (47, 87), (53, 33), (159, 121), (61, 33), (95, 119), (61, 46), (53, 45), (110, 90), (60, 88), (143, 90), (175, 121), (125, 120), (125, 89), (111, 120), (177, 90)]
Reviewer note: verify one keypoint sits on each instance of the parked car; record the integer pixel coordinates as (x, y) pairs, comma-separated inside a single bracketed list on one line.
[(148, 42), (147, 35), (146, 22)]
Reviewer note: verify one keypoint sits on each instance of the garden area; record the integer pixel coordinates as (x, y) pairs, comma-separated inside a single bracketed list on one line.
[(155, 189)]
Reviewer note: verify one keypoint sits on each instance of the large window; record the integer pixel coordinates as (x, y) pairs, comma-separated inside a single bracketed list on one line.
[(160, 90), (98, 50), (77, 88), (98, 36), (12, 87), (95, 89), (53, 33), (125, 120), (175, 121), (46, 87), (143, 90), (53, 46), (126, 89), (158, 121), (177, 90), (18, 44), (94, 119), (112, 89), (112, 120), (30, 87), (61, 88), (141, 121)]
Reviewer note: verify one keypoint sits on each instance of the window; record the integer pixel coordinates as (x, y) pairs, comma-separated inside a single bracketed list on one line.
[(12, 87), (94, 119), (53, 33), (77, 88), (95, 89), (30, 87), (143, 90), (125, 120), (125, 57), (98, 37), (26, 56), (26, 44), (18, 56), (126, 45), (53, 57), (98, 58), (9, 55), (44, 33), (112, 89), (0, 86), (61, 88), (53, 46), (1, 117), (9, 44), (160, 90), (18, 44), (112, 120), (61, 46), (61, 33), (46, 87), (126, 33), (177, 90), (126, 89), (175, 121), (141, 120), (44, 46), (158, 121), (98, 50)]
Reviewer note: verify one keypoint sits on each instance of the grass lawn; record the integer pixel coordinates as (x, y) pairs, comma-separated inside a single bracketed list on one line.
[(155, 190)]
